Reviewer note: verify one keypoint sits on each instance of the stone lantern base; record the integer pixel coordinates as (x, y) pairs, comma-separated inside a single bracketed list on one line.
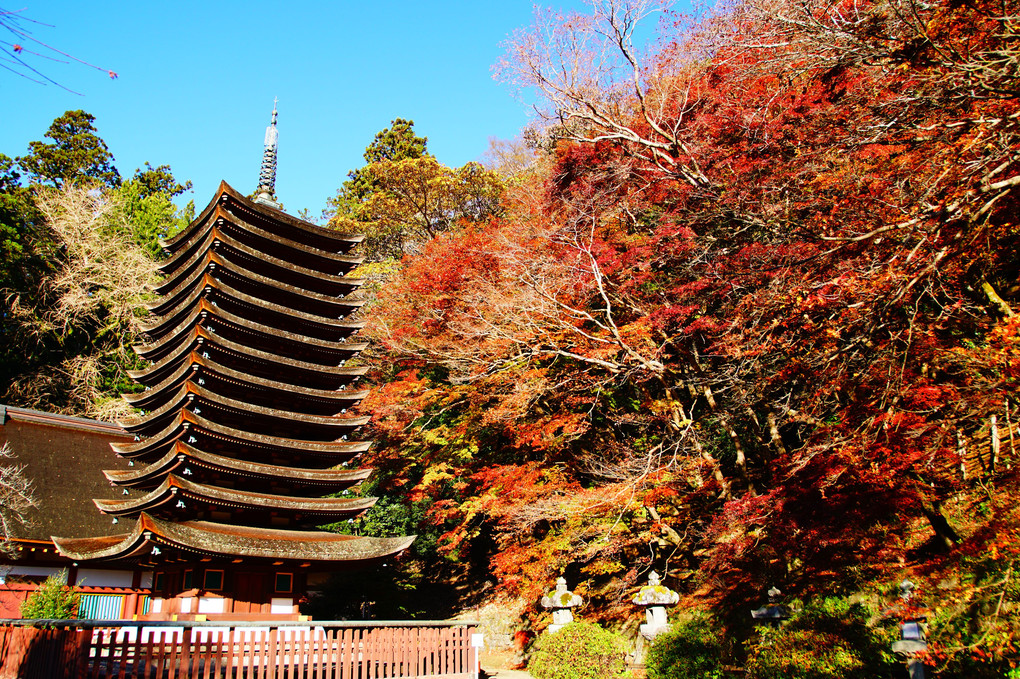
[(655, 622), (561, 618)]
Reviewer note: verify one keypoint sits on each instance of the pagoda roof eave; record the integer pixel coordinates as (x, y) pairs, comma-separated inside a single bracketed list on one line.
[(217, 539), (136, 477), (188, 270), (185, 308), (185, 293), (176, 488), (188, 329), (199, 363), (182, 454), (125, 546), (189, 250), (232, 244), (225, 189), (304, 236), (145, 400), (324, 258), (186, 419), (191, 392)]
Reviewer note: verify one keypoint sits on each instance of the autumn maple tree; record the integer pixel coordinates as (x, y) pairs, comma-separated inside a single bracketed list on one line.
[(748, 317)]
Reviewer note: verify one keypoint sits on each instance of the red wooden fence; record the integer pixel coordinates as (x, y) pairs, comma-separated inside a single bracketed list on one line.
[(78, 649)]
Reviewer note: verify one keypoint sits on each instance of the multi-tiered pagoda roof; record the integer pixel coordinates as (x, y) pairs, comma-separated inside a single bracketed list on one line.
[(247, 435)]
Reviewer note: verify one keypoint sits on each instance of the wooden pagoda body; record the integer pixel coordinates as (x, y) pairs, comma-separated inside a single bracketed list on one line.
[(246, 439)]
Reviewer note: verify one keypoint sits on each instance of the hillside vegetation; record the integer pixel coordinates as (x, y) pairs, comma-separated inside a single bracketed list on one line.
[(745, 318)]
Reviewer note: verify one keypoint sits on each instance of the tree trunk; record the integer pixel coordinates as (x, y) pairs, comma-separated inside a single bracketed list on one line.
[(777, 440), (932, 510), (741, 459)]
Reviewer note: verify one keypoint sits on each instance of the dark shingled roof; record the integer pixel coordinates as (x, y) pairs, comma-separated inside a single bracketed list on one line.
[(64, 457), (261, 235), (274, 228), (226, 195), (234, 250), (328, 304), (314, 325)]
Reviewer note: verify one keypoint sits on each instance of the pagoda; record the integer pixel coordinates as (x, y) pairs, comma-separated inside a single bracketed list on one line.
[(246, 436)]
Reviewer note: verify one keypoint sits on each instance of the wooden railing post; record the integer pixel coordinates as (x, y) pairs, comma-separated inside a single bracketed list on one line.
[(186, 654), (274, 639)]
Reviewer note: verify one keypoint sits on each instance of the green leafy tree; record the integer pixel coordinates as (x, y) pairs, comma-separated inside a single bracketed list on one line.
[(397, 142), (150, 215), (416, 199), (404, 197), (75, 153), (26, 259), (392, 516), (54, 600), (153, 180), (19, 220)]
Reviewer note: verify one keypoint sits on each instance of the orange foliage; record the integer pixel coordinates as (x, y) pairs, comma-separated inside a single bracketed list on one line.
[(736, 325)]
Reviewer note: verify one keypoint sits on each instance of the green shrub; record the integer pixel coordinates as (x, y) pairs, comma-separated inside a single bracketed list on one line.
[(580, 650), (827, 639), (692, 649), (54, 600)]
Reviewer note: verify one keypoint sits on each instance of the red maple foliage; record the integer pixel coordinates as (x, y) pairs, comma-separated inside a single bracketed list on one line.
[(749, 320)]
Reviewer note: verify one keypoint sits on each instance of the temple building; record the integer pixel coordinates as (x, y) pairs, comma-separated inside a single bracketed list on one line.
[(62, 456), (246, 441)]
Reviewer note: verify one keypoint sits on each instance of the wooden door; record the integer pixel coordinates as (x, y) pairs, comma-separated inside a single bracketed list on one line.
[(251, 592)]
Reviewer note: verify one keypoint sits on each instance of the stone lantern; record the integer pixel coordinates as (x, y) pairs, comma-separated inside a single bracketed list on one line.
[(560, 600), (772, 613), (655, 597), (913, 641)]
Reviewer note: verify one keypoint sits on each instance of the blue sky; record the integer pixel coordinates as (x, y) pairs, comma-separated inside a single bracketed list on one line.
[(197, 81)]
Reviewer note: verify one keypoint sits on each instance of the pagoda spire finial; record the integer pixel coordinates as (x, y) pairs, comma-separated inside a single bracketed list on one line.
[(266, 192)]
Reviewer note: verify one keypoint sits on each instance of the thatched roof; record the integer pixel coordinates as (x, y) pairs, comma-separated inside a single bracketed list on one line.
[(64, 457)]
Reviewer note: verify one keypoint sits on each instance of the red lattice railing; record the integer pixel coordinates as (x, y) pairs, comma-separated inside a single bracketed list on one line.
[(69, 648)]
